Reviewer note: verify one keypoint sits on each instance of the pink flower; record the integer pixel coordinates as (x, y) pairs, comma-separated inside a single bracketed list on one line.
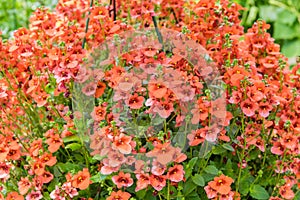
[(122, 180), (176, 173)]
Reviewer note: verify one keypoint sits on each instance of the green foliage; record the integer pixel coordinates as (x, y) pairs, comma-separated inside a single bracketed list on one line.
[(15, 13), (284, 17)]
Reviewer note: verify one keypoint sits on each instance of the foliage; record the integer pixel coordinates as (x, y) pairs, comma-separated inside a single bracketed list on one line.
[(120, 100), (15, 13), (284, 17)]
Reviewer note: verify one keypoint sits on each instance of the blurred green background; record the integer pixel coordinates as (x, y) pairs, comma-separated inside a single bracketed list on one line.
[(15, 13), (283, 15)]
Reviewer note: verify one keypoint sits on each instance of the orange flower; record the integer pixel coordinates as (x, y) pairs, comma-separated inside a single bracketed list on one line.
[(249, 107), (135, 101), (157, 89), (38, 168), (176, 173), (54, 142), (100, 89), (99, 113), (286, 192), (221, 184), (120, 195), (48, 159), (122, 143), (163, 152), (122, 180), (82, 179), (24, 185), (14, 196), (142, 181)]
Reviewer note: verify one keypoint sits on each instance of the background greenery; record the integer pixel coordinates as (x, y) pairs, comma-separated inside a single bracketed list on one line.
[(15, 13), (283, 15)]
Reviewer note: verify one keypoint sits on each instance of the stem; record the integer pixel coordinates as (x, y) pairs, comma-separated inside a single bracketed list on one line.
[(114, 10), (242, 157), (158, 33), (87, 24)]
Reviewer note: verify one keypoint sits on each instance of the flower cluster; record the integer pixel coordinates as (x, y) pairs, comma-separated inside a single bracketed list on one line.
[(156, 99)]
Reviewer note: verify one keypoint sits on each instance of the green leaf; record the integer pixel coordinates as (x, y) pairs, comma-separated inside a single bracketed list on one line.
[(72, 138), (73, 146), (282, 31), (189, 167), (286, 17), (189, 186), (67, 167), (141, 194), (269, 13), (291, 48), (228, 147), (211, 170), (98, 157), (218, 150), (245, 183), (258, 192), (98, 178), (198, 180)]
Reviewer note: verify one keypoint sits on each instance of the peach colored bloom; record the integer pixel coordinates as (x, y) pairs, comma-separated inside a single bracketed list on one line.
[(120, 195), (82, 179), (221, 184), (122, 180)]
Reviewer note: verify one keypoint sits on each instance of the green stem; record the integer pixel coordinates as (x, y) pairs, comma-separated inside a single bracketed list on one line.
[(87, 24)]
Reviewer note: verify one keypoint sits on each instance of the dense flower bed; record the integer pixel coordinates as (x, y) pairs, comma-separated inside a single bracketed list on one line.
[(147, 124)]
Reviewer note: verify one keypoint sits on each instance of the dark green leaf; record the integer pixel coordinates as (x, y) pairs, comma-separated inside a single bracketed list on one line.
[(228, 147), (98, 178), (189, 186), (198, 180), (73, 146), (258, 192), (211, 170)]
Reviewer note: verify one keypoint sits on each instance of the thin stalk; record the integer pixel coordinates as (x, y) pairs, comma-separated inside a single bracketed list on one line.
[(87, 24)]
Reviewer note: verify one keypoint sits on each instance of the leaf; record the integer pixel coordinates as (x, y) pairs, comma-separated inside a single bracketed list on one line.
[(291, 48), (286, 17), (245, 183), (141, 194), (73, 146), (269, 13), (198, 180), (72, 138), (218, 150), (67, 167), (211, 170), (98, 178), (258, 192), (98, 157), (189, 186), (189, 167), (283, 31), (228, 147)]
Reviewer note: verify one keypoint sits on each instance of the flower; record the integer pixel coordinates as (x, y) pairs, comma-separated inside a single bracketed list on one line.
[(176, 173), (122, 180), (162, 152), (135, 101), (119, 195), (34, 195), (158, 182), (249, 107), (143, 181), (82, 179), (221, 184), (24, 185), (122, 143)]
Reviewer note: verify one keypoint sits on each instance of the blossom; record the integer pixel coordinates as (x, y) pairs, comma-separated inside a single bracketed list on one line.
[(34, 195), (82, 179), (249, 107), (143, 181), (14, 196), (162, 152), (24, 185), (119, 195), (122, 180), (122, 143), (135, 101), (176, 173), (158, 182), (221, 184)]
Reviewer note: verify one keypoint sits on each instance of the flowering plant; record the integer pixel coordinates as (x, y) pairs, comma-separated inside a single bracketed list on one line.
[(147, 100)]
